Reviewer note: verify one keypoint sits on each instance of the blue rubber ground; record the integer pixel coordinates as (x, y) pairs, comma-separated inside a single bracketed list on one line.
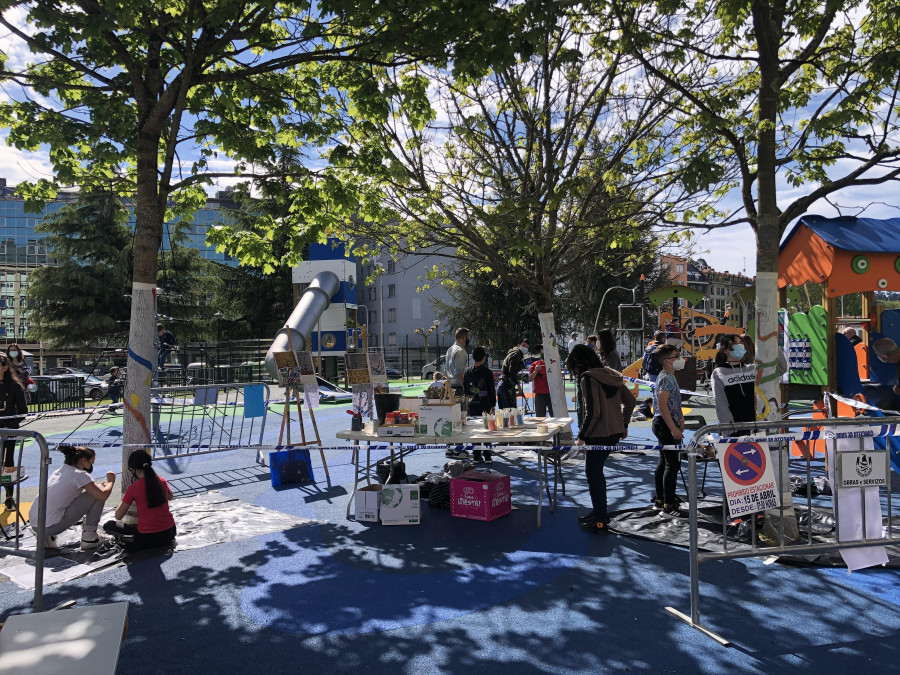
[(459, 596)]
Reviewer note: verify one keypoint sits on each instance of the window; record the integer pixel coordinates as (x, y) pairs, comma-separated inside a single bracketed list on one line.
[(392, 315), (391, 290), (679, 268), (392, 267), (392, 339)]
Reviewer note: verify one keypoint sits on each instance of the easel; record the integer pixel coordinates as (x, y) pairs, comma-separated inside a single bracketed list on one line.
[(290, 390)]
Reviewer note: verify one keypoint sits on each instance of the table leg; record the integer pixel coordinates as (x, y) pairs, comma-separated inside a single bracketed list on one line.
[(355, 460), (540, 505)]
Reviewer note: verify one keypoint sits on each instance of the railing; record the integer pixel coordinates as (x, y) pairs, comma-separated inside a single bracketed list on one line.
[(830, 429)]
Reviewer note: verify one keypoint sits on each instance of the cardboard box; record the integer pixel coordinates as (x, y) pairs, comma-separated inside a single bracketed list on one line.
[(290, 466), (400, 505), (440, 420), (396, 430), (368, 504), (411, 404), (480, 495)]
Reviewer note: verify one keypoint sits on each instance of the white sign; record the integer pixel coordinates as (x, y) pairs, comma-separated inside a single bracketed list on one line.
[(748, 477), (863, 469)]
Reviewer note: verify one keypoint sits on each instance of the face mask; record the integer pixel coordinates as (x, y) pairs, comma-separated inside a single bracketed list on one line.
[(738, 351), (13, 354), (90, 468), (524, 350), (678, 363)]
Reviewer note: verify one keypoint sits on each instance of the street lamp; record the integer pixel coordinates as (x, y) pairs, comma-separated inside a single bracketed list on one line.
[(425, 333), (381, 301)]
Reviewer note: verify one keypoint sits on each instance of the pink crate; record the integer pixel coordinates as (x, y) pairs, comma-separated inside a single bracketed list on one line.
[(480, 495)]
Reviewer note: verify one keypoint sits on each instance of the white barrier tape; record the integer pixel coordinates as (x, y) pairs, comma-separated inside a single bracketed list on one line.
[(859, 404), (880, 431), (652, 385)]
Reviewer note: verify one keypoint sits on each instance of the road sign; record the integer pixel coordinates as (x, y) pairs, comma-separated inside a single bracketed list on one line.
[(748, 478)]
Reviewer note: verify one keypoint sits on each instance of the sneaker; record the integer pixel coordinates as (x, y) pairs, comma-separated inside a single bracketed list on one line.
[(50, 542), (673, 511), (638, 417), (477, 458), (596, 527), (487, 458), (587, 518), (94, 540), (656, 504), (456, 454)]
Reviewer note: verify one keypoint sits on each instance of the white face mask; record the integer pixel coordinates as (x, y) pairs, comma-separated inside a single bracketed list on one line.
[(13, 354), (524, 350), (678, 363)]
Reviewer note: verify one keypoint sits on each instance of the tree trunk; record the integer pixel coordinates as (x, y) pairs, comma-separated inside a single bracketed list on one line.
[(768, 236), (149, 216)]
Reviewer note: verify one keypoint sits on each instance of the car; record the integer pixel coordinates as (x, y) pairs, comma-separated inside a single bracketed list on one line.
[(65, 370), (429, 369), (393, 374), (95, 388)]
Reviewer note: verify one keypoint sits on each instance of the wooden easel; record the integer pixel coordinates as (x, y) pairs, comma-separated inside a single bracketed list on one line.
[(285, 418)]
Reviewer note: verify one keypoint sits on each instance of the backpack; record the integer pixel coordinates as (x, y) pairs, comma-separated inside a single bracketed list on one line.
[(649, 363)]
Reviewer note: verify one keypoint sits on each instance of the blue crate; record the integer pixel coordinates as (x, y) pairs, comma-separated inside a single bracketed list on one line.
[(290, 466)]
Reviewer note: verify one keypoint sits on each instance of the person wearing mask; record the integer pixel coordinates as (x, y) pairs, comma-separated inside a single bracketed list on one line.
[(17, 360), (607, 404), (592, 342), (513, 364), (733, 383), (650, 363), (12, 411), (73, 497), (167, 343), (668, 427), (151, 493), (569, 347), (456, 359), (608, 353), (537, 375), (479, 384)]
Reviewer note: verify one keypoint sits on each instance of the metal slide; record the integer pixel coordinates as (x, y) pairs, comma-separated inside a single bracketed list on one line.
[(302, 321)]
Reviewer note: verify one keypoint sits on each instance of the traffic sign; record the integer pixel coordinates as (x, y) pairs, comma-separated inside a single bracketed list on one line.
[(748, 478), (745, 463)]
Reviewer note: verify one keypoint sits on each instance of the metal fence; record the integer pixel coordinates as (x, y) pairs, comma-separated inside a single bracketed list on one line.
[(863, 429)]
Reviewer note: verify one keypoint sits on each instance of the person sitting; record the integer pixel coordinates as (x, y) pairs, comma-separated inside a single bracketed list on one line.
[(151, 493), (439, 376), (73, 497), (116, 384), (167, 342)]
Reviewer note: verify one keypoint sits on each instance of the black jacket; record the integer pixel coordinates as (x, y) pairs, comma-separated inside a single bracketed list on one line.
[(12, 402), (479, 385)]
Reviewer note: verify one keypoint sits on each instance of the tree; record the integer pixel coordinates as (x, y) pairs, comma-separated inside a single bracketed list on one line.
[(152, 93), (529, 174), (83, 300), (791, 90)]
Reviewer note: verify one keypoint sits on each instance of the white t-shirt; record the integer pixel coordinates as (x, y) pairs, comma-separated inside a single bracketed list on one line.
[(63, 487), (571, 344)]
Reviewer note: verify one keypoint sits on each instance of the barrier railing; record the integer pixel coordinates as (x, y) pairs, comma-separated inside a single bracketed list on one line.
[(829, 429), (201, 419), (38, 553)]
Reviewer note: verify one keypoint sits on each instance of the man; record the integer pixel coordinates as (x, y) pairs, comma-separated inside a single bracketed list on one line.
[(887, 351), (509, 374), (592, 342), (479, 384), (116, 385), (850, 334), (457, 359), (649, 363), (166, 341), (572, 342), (537, 375)]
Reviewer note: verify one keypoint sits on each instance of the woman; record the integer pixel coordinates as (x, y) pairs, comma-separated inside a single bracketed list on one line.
[(73, 497), (734, 383), (17, 359), (156, 526), (607, 404), (668, 427), (12, 410), (608, 352)]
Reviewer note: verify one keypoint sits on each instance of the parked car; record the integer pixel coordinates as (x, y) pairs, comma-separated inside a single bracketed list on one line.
[(95, 388), (52, 388), (429, 369), (393, 374)]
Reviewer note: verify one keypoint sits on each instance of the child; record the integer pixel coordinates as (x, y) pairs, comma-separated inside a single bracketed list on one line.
[(156, 526), (668, 427)]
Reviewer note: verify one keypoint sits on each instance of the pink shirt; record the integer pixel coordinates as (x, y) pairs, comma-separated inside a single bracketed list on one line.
[(157, 519)]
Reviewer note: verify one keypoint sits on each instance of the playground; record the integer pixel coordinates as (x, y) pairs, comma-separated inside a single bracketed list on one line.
[(279, 578)]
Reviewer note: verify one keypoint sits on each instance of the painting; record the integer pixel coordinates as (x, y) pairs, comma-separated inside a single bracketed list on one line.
[(363, 398)]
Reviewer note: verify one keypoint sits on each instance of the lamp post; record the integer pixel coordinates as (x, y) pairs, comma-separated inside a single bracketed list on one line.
[(380, 301), (425, 333)]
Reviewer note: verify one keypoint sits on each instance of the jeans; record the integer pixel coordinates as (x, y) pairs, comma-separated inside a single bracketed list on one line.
[(666, 474), (506, 394), (163, 355), (83, 506), (594, 461)]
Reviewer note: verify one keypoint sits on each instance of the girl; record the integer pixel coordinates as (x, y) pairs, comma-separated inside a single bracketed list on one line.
[(156, 526), (668, 427), (733, 383), (72, 495), (12, 410), (608, 351), (607, 405)]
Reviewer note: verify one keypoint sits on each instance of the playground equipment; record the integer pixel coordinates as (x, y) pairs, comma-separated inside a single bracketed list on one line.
[(300, 324)]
